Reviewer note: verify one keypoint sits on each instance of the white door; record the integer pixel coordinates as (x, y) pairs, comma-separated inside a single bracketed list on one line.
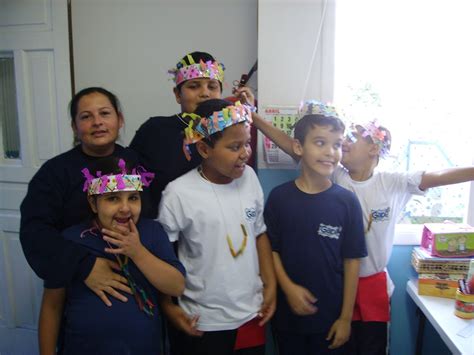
[(34, 36)]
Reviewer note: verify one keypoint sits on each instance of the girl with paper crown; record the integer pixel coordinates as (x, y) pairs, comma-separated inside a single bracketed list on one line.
[(215, 214), (146, 260)]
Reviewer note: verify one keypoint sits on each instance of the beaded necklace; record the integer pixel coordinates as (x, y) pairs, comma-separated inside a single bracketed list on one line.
[(233, 252), (141, 297)]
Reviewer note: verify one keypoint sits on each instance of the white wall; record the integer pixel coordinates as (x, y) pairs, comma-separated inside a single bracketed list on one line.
[(288, 38), (296, 52), (127, 46)]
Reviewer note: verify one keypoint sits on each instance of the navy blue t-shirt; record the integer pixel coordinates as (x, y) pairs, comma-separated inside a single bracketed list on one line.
[(313, 234), (94, 328)]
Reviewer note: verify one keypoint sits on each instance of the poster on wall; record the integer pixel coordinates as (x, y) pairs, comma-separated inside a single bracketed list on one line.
[(283, 118)]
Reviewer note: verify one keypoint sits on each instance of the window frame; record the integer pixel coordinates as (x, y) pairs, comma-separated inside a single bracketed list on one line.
[(405, 234)]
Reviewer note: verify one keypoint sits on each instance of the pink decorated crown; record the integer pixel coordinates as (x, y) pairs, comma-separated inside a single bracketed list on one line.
[(314, 107), (116, 182), (209, 69), (204, 127), (378, 134)]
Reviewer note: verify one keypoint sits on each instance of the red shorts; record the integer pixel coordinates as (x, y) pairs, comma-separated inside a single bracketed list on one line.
[(250, 335), (372, 303)]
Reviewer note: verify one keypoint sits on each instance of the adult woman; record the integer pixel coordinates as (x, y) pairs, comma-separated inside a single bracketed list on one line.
[(159, 141), (55, 199)]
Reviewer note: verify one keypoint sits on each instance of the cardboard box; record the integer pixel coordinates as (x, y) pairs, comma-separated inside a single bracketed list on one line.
[(453, 240), (439, 285), (425, 263)]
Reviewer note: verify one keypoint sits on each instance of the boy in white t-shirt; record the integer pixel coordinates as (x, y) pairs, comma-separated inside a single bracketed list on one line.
[(215, 214), (382, 196)]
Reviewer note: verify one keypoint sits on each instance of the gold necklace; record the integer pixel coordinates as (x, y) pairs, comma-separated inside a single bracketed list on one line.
[(242, 225)]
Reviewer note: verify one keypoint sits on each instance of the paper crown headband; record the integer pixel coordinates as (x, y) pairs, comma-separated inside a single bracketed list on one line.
[(116, 182), (209, 69), (378, 135), (314, 107), (204, 127)]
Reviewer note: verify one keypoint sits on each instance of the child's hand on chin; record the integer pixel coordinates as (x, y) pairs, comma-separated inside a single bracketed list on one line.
[(126, 240)]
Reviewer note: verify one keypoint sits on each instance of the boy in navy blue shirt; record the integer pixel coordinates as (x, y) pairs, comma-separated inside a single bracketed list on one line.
[(317, 236)]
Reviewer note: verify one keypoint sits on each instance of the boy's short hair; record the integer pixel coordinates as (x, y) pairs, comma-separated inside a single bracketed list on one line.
[(307, 122)]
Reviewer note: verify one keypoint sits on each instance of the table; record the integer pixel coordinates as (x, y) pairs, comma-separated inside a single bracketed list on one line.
[(440, 313)]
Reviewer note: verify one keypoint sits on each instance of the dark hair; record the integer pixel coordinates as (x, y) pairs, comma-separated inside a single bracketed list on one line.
[(197, 57), (110, 165), (90, 90), (305, 124), (206, 109), (388, 137)]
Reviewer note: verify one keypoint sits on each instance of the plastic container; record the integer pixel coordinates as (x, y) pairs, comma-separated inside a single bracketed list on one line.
[(464, 305)]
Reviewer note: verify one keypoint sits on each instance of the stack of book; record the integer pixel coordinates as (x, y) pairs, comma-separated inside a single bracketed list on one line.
[(438, 276)]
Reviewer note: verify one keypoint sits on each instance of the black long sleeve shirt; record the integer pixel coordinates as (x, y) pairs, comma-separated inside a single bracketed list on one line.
[(159, 143), (55, 200)]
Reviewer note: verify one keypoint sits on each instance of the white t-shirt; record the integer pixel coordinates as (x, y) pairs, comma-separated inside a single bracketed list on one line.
[(382, 198), (224, 291)]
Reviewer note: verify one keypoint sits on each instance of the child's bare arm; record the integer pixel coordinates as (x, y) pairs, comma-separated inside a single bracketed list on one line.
[(178, 317), (163, 276), (446, 177), (280, 138), (341, 329), (267, 273), (51, 313), (300, 299)]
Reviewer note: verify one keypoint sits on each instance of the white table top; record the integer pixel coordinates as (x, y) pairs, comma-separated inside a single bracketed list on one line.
[(457, 333)]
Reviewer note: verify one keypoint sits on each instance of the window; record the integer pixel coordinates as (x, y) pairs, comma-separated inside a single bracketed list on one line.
[(10, 136), (410, 63)]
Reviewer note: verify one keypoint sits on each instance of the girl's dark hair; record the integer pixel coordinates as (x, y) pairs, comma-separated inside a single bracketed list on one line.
[(207, 108), (197, 57), (110, 165), (305, 124), (90, 90)]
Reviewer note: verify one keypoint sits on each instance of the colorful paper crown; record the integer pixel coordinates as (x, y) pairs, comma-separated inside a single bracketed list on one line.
[(116, 182), (313, 107), (209, 69), (379, 136), (204, 127)]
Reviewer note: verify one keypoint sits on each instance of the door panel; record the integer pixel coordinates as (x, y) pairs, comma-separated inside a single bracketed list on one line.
[(35, 34)]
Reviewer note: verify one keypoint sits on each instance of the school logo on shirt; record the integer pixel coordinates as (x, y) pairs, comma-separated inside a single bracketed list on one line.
[(250, 214), (380, 215), (328, 231)]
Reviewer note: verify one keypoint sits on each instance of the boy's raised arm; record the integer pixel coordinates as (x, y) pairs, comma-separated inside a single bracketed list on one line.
[(446, 177), (280, 138), (267, 273), (341, 329)]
